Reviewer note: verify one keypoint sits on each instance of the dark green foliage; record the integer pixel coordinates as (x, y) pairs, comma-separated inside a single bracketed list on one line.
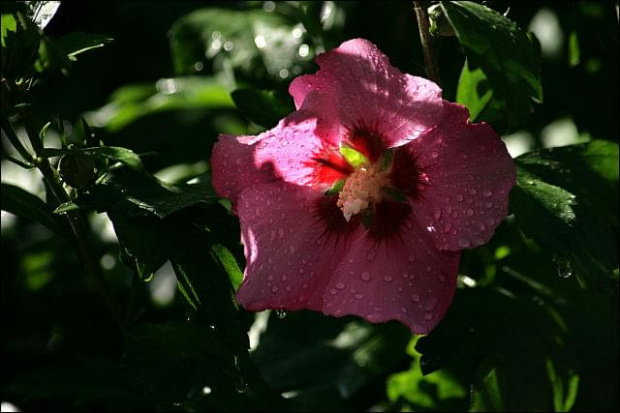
[(128, 130), (502, 75)]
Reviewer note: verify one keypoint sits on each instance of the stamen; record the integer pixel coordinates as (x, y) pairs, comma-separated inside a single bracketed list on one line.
[(362, 188)]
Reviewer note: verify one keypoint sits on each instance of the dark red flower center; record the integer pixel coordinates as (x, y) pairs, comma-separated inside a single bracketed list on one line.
[(370, 186)]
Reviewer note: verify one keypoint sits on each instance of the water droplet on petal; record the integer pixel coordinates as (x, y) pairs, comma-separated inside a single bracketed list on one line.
[(274, 289), (463, 243), (487, 193), (365, 276), (358, 296), (387, 278), (415, 298), (340, 286), (411, 258), (431, 304), (437, 213)]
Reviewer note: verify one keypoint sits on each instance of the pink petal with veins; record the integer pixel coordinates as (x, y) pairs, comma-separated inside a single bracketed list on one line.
[(469, 173)]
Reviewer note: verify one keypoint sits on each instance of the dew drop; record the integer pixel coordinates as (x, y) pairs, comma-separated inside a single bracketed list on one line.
[(430, 304), (463, 243), (470, 212), (415, 298), (241, 386), (437, 213), (487, 193), (280, 314), (411, 258), (428, 316), (358, 296), (340, 286), (565, 269), (387, 278), (274, 289), (284, 278), (365, 276), (333, 291)]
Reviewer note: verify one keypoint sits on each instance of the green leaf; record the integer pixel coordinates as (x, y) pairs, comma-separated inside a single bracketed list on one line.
[(20, 46), (475, 92), (353, 156), (229, 263), (42, 12), (263, 107), (134, 193), (75, 43), (253, 43), (24, 204), (133, 102), (567, 199), (165, 361), (51, 58), (507, 366), (124, 155), (501, 60), (439, 391)]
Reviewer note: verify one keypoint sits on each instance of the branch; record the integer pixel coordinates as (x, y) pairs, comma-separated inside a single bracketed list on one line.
[(422, 17)]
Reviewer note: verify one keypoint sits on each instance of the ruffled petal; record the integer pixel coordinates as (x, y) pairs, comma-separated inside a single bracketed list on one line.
[(357, 88), (405, 279), (233, 166), (290, 252), (468, 175)]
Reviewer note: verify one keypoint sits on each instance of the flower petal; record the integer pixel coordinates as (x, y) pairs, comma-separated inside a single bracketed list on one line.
[(233, 166), (359, 89), (289, 255), (469, 175), (405, 279), (293, 264)]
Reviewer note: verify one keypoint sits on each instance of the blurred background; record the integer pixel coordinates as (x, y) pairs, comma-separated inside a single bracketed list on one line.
[(523, 333)]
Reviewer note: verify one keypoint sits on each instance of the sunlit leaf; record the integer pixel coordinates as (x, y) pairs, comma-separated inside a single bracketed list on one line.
[(130, 103), (256, 44), (501, 60), (77, 42), (24, 204), (567, 199)]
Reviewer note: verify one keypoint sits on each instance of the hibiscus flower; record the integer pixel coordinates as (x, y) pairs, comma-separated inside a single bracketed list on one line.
[(361, 200)]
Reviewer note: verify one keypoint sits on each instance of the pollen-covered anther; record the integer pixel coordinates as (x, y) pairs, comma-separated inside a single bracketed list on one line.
[(362, 188)]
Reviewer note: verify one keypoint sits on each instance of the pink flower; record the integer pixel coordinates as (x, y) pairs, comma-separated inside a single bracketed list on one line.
[(360, 201)]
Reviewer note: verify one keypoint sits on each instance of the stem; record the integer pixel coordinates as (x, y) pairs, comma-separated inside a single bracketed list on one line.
[(77, 220), (17, 144), (423, 27)]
